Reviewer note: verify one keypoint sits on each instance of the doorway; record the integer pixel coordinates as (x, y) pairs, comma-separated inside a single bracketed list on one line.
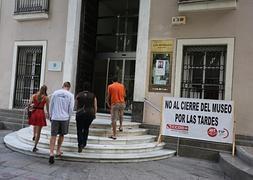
[(109, 65)]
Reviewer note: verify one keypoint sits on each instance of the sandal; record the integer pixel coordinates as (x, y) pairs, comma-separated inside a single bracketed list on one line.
[(51, 160), (112, 137), (59, 155), (35, 149), (120, 129)]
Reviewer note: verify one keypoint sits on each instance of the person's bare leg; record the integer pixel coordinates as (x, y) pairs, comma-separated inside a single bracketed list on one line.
[(121, 113), (34, 132), (114, 128), (52, 144), (59, 143), (37, 137)]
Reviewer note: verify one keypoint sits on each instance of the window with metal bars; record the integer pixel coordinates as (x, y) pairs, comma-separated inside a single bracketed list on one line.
[(204, 72), (31, 6), (28, 73)]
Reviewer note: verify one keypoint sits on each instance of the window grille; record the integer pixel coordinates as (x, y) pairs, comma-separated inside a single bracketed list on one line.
[(31, 6), (204, 72), (27, 74)]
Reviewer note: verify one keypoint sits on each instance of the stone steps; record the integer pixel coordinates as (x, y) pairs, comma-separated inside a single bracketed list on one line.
[(131, 145), (85, 156), (240, 166), (245, 154), (102, 148), (26, 134)]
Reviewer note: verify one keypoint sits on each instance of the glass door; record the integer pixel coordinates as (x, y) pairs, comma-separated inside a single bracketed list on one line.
[(105, 70)]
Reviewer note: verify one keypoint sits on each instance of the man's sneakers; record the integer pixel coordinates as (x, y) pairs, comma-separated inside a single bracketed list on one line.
[(51, 160), (80, 148)]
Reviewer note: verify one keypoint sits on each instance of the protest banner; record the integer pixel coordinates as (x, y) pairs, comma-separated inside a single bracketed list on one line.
[(210, 120)]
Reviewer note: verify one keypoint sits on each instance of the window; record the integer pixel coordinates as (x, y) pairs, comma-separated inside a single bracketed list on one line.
[(203, 72), (30, 6), (31, 10), (28, 69), (204, 68), (27, 74), (117, 25)]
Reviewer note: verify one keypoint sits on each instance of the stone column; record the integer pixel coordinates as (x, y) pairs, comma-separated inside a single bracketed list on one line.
[(72, 42), (141, 68)]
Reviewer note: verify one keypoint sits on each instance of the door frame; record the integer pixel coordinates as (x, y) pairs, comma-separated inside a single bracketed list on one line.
[(14, 64), (115, 57)]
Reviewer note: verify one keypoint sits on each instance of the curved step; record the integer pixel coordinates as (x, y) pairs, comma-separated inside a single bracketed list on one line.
[(104, 132), (105, 116), (101, 148), (101, 124), (245, 153), (13, 142), (26, 135), (235, 167)]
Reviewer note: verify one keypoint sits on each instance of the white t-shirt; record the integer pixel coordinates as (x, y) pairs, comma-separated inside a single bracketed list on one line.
[(61, 105)]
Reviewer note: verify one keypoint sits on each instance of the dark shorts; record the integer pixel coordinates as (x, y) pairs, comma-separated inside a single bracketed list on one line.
[(59, 127)]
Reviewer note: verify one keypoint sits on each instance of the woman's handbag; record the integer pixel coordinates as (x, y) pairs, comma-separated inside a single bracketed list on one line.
[(29, 110)]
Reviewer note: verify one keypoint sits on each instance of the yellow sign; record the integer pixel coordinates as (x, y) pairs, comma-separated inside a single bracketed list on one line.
[(162, 46)]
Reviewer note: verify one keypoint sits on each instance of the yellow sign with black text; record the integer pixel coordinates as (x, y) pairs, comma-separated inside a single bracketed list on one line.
[(162, 46)]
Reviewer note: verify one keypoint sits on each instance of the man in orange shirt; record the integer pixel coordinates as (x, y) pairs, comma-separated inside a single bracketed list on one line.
[(116, 102)]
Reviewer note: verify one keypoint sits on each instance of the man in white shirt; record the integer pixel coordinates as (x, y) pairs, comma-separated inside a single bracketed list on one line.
[(60, 111)]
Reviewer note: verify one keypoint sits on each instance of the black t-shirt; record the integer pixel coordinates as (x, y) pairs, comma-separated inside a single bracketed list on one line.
[(85, 99)]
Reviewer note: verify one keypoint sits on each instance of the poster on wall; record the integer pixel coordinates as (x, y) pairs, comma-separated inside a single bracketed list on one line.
[(160, 67), (161, 61), (210, 120)]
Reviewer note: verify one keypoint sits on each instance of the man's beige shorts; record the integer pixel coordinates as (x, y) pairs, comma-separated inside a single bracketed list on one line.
[(116, 109)]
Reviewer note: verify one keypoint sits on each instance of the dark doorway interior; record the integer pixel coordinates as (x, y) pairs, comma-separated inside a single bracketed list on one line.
[(107, 44), (87, 43)]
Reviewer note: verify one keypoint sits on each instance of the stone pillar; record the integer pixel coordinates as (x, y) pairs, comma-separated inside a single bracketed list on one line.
[(141, 66), (72, 41)]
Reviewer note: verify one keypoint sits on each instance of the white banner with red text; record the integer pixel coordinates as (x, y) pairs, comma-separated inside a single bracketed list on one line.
[(210, 120)]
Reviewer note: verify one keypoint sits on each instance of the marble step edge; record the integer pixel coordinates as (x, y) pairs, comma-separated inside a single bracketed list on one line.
[(105, 123), (235, 167), (96, 146), (26, 133), (110, 149), (103, 132), (244, 154), (10, 141), (104, 116)]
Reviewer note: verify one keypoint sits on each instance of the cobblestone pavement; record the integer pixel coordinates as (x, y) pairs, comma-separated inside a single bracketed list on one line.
[(16, 166)]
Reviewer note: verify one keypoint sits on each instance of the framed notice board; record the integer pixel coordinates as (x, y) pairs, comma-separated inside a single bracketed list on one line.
[(161, 65)]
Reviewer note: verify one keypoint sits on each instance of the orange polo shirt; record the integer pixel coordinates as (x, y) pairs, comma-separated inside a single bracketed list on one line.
[(117, 93)]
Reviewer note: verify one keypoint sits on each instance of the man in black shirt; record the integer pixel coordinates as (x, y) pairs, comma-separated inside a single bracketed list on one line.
[(86, 105)]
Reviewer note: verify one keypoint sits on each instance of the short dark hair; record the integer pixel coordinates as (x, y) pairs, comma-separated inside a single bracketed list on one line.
[(66, 84), (115, 79)]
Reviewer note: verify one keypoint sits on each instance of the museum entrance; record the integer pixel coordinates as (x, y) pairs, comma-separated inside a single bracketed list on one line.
[(107, 46), (109, 65)]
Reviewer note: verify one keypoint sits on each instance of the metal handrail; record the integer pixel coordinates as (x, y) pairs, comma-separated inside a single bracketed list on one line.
[(151, 104)]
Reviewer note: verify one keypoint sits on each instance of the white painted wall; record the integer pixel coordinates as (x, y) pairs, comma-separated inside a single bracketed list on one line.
[(232, 24), (52, 30)]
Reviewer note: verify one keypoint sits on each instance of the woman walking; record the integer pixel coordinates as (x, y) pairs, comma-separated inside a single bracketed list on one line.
[(38, 116)]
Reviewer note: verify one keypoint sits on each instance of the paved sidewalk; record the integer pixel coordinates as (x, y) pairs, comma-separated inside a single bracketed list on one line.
[(16, 166)]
